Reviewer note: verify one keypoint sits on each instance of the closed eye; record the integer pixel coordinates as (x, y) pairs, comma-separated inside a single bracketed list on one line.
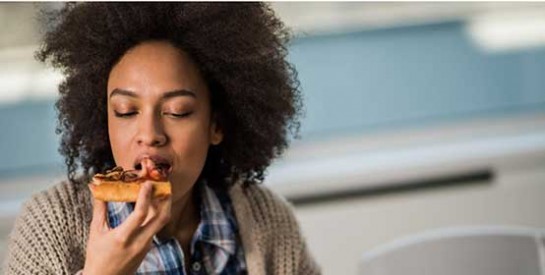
[(178, 115), (124, 115)]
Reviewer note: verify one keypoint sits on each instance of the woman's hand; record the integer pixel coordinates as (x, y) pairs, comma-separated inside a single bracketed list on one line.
[(122, 249)]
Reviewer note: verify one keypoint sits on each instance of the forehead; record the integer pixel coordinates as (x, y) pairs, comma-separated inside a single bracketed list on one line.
[(153, 67)]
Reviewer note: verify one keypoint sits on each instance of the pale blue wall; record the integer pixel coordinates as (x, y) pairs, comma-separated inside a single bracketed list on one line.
[(409, 76), (28, 143)]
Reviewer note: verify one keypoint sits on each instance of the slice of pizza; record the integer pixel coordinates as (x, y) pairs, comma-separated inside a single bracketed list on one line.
[(118, 185)]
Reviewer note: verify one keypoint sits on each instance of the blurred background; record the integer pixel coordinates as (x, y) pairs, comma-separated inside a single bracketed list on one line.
[(419, 116)]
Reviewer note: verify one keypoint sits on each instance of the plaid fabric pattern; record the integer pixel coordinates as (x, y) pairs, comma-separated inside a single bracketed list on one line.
[(215, 247)]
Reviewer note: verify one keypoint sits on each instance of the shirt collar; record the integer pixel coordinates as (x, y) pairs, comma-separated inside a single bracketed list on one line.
[(216, 226)]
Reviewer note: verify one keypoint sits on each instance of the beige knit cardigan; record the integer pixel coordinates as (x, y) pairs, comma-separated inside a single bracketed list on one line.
[(51, 232)]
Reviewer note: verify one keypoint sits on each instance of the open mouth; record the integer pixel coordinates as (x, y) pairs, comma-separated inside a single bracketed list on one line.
[(164, 167), (159, 163)]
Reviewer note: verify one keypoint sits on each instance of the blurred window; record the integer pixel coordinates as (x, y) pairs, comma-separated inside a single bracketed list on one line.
[(411, 76)]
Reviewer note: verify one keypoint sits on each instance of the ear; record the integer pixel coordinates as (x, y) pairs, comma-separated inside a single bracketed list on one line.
[(216, 134)]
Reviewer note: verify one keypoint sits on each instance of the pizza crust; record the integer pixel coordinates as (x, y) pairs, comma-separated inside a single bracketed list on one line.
[(127, 191)]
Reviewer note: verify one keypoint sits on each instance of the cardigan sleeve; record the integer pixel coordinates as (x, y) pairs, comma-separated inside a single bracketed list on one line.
[(272, 237), (47, 237), (288, 233), (307, 264), (28, 243)]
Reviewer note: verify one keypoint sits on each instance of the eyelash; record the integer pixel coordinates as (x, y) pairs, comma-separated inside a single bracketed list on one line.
[(124, 115), (179, 115), (130, 114)]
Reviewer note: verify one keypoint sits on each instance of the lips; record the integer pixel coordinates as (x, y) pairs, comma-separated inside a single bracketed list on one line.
[(161, 163)]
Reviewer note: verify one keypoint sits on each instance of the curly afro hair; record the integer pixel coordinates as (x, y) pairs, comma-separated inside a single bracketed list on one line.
[(240, 49)]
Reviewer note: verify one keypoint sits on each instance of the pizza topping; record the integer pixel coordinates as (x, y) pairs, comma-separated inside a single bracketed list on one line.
[(117, 174), (127, 176), (157, 173)]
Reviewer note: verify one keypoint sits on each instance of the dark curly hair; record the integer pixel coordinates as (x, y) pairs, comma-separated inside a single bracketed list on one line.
[(240, 49)]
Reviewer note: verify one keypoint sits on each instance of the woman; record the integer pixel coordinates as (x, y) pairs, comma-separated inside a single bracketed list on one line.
[(202, 88)]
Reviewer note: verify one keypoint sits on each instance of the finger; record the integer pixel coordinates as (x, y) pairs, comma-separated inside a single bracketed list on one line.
[(100, 215), (152, 211), (163, 207), (137, 217)]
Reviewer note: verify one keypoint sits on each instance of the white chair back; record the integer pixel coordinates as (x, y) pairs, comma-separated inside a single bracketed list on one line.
[(461, 251)]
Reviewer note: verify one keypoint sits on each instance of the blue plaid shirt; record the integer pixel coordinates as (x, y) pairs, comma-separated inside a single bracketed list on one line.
[(215, 247)]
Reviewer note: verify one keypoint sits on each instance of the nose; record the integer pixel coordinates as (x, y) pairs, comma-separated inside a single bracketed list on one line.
[(151, 132)]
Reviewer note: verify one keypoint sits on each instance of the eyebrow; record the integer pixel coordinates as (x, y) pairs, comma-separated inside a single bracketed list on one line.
[(167, 95)]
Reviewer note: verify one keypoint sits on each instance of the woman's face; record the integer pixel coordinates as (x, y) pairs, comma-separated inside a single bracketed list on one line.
[(159, 107)]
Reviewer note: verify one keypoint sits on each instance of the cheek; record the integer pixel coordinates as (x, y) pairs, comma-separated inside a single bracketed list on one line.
[(191, 147), (191, 143), (119, 142)]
